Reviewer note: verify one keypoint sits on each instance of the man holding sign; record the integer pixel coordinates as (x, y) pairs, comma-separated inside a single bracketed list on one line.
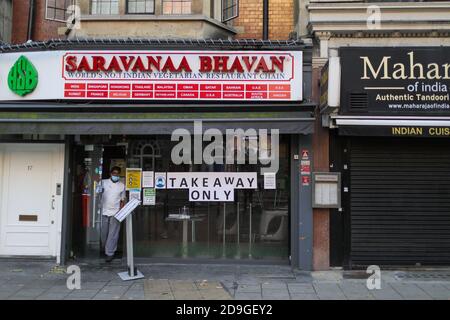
[(113, 200)]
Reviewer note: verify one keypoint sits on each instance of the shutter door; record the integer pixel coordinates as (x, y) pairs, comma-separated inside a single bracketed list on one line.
[(400, 202)]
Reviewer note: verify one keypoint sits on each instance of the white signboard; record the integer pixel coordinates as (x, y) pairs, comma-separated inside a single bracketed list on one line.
[(213, 195), (212, 186), (127, 209), (212, 180), (147, 179), (270, 181), (153, 75)]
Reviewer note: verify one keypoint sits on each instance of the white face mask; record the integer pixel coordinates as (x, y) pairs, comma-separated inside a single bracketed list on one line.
[(115, 178)]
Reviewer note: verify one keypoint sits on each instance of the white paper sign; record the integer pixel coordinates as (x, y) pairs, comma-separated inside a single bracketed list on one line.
[(270, 181), (147, 179), (326, 193), (149, 197), (135, 194), (213, 195)]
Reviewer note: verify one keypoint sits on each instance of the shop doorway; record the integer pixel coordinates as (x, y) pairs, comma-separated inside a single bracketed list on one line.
[(256, 226), (31, 182)]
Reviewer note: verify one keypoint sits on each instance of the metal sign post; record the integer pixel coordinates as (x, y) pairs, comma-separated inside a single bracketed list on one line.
[(132, 273)]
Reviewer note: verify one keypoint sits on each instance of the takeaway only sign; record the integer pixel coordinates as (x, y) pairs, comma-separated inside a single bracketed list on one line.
[(211, 186), (151, 75)]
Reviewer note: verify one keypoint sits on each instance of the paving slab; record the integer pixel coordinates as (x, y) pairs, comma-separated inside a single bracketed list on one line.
[(386, 293), (88, 294), (154, 296), (60, 289), (51, 296), (248, 296), (93, 284), (101, 296), (114, 290), (301, 288), (435, 291), (304, 296), (410, 291), (329, 291), (246, 288), (30, 292), (356, 291)]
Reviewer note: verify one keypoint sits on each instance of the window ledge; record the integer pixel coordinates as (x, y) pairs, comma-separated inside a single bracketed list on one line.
[(152, 17)]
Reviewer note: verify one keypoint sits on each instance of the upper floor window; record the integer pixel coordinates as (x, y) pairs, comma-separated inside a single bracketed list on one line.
[(105, 6), (141, 6), (230, 9), (58, 10), (177, 6)]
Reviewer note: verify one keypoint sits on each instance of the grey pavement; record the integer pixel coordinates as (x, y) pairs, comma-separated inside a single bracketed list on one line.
[(43, 280)]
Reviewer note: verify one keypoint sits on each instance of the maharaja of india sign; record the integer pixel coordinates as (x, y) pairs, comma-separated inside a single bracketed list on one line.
[(395, 80), (158, 75)]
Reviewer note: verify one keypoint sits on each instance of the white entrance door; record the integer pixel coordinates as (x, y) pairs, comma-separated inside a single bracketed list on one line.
[(31, 182)]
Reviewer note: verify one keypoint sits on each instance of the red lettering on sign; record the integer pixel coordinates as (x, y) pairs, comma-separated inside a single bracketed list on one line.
[(279, 95), (280, 87), (74, 94), (119, 94), (211, 95), (165, 94), (142, 95), (148, 63), (233, 87), (256, 95), (256, 87), (189, 87), (119, 86), (211, 87), (205, 64), (164, 87), (187, 94), (142, 86), (233, 95), (75, 86), (71, 63), (97, 94), (97, 86)]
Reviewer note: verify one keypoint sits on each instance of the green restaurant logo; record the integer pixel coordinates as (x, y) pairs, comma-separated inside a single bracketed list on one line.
[(23, 77)]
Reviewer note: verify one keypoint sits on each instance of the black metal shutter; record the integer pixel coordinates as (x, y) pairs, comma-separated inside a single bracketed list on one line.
[(400, 202)]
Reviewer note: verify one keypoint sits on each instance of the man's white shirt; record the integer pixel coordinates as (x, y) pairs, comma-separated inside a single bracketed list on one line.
[(113, 193)]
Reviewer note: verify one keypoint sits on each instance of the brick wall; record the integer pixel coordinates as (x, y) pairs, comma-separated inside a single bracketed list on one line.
[(249, 24), (43, 29), (281, 19)]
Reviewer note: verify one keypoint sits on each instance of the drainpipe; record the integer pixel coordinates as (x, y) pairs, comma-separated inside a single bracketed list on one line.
[(30, 20), (265, 19)]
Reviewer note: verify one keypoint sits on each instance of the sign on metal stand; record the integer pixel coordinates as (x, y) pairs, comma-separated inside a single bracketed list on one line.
[(125, 213)]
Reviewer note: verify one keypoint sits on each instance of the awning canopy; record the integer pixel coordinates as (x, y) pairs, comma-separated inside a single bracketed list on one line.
[(393, 121), (393, 126), (85, 123)]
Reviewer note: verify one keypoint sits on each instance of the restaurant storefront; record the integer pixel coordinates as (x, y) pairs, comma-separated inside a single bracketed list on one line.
[(391, 142), (160, 111)]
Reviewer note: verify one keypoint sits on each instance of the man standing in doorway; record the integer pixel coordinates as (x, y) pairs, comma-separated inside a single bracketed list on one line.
[(113, 200)]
